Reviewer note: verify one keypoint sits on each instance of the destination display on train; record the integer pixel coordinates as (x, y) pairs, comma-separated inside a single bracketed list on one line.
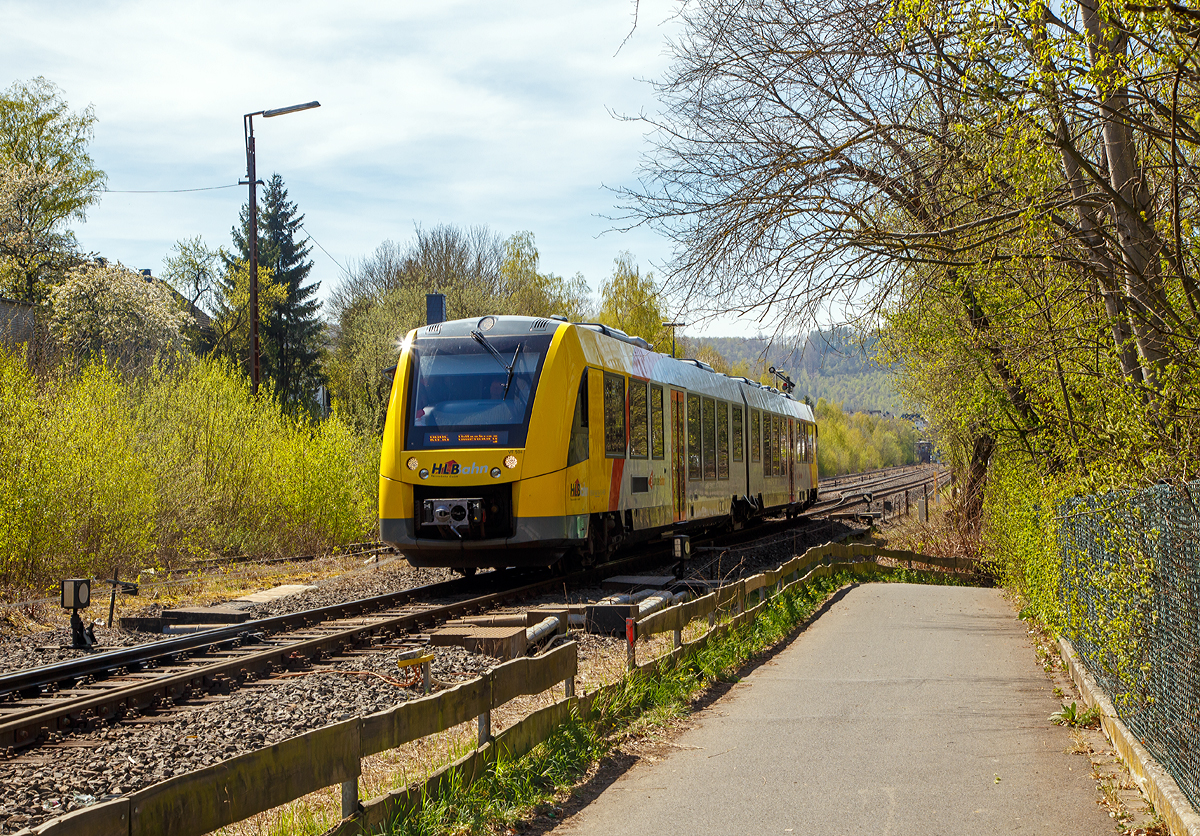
[(496, 438)]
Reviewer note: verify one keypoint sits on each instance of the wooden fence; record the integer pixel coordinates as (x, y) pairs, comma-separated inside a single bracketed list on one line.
[(203, 801)]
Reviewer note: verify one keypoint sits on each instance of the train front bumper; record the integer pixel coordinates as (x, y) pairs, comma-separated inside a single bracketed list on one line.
[(536, 541)]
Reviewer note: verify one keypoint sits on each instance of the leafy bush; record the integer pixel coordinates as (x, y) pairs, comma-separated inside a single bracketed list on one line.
[(100, 471), (857, 442)]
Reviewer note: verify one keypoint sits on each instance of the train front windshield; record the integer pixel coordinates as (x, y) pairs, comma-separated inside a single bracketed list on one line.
[(463, 395)]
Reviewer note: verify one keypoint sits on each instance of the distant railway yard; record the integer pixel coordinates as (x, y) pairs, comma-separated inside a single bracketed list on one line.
[(81, 726)]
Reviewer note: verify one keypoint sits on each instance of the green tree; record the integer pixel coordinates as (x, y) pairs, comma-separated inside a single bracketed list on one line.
[(230, 336), (291, 331), (383, 297), (632, 302), (46, 179), (524, 290)]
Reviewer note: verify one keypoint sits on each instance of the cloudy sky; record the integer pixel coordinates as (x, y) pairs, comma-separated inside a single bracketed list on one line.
[(431, 112)]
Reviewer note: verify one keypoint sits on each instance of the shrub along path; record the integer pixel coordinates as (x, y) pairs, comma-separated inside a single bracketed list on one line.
[(905, 709)]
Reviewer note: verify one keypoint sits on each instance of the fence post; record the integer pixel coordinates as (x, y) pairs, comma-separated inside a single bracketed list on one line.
[(427, 670), (485, 719), (485, 727), (630, 642), (906, 510), (350, 797), (678, 638), (569, 686)]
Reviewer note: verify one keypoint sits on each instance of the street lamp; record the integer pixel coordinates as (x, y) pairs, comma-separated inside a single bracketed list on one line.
[(673, 326), (252, 232)]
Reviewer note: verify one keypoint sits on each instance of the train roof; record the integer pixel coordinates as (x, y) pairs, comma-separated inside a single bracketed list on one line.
[(612, 348)]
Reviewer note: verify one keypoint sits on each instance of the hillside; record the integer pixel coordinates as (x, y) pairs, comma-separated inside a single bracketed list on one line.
[(834, 364)]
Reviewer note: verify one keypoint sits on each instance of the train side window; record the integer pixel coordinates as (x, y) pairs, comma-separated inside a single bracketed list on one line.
[(773, 441), (722, 440), (766, 444), (658, 445), (639, 420), (738, 435), (768, 423), (577, 450), (755, 434), (614, 416), (708, 427), (693, 432), (787, 430)]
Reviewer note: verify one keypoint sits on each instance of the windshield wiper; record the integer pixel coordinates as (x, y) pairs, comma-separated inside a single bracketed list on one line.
[(511, 366), (478, 336)]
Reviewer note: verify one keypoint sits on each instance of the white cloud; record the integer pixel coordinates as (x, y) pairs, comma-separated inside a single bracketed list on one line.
[(447, 112)]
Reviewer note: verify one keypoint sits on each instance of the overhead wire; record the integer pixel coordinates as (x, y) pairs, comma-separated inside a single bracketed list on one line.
[(170, 191), (322, 249)]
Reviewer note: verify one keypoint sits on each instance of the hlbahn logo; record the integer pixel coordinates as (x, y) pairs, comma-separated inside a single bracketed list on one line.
[(453, 468), (576, 489)]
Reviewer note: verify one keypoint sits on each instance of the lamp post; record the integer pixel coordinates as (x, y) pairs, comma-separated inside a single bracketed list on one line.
[(673, 326), (252, 232)]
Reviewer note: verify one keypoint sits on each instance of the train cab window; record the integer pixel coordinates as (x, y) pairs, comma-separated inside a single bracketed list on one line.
[(473, 394), (639, 426), (693, 436), (577, 450), (722, 440), (708, 427), (755, 431), (737, 436), (658, 444), (614, 416)]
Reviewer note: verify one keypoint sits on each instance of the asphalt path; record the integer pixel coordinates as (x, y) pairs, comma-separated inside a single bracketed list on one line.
[(904, 709)]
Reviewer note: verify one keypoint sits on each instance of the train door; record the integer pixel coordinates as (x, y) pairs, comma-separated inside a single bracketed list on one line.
[(791, 460), (678, 453)]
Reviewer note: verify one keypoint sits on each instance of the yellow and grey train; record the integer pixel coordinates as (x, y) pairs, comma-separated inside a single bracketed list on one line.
[(516, 441)]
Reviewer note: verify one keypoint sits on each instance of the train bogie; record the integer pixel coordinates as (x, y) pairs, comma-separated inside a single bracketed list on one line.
[(514, 441)]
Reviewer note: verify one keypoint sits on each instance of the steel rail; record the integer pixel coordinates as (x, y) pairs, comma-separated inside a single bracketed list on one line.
[(23, 728)]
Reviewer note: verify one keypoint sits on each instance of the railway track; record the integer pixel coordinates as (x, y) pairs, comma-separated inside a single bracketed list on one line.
[(42, 705), (853, 491)]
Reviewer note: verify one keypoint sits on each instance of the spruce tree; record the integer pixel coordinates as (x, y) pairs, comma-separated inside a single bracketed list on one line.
[(291, 331)]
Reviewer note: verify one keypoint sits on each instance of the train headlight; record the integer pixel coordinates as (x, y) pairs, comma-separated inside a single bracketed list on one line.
[(424, 474), (413, 464), (495, 473), (510, 462)]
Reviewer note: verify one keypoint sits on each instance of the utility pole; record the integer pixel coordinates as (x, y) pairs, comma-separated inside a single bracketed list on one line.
[(252, 232)]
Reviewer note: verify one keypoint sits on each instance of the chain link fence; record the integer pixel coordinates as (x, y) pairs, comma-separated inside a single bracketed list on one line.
[(1130, 597)]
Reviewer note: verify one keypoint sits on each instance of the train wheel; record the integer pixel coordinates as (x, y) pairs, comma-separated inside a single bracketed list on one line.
[(467, 571)]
